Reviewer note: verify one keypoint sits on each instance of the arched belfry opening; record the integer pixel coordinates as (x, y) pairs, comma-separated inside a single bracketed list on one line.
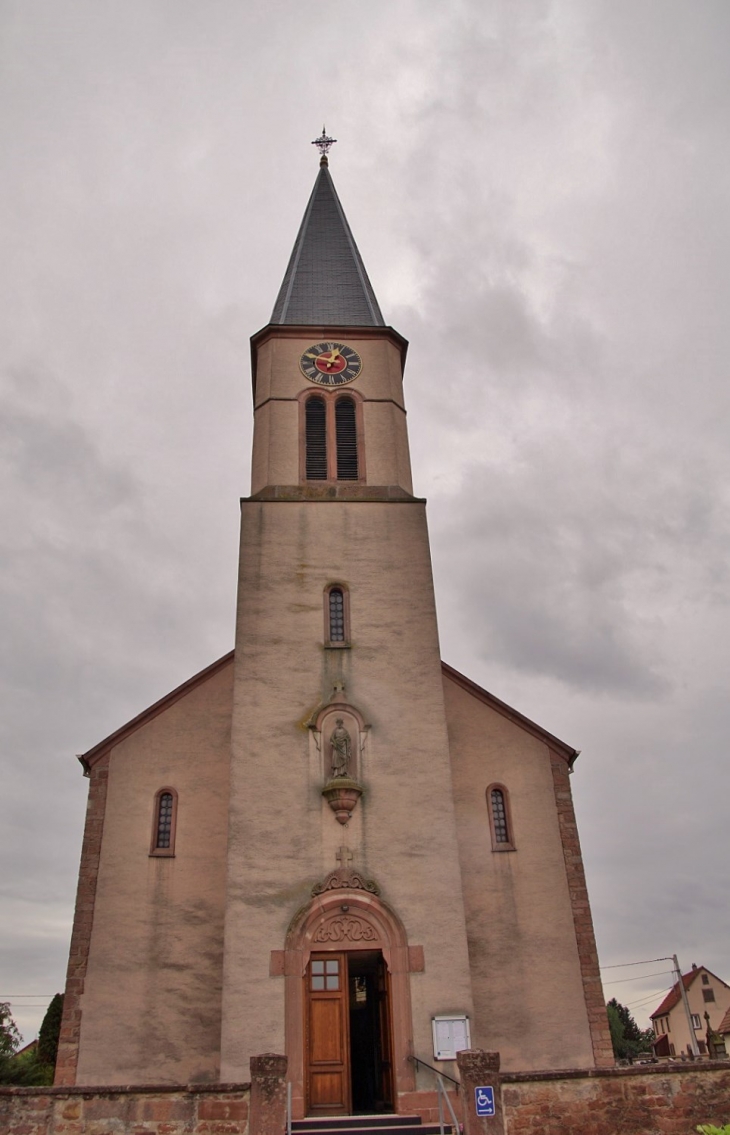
[(349, 1030)]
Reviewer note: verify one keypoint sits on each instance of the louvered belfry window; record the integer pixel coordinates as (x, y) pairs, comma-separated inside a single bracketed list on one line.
[(499, 816), (346, 433), (337, 615), (316, 429), (164, 820)]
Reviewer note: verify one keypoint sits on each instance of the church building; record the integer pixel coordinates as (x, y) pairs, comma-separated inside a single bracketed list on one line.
[(330, 844)]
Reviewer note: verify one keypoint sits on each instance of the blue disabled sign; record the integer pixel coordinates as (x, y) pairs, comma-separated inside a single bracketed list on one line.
[(484, 1100)]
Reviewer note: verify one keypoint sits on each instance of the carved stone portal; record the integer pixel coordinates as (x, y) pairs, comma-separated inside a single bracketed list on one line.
[(346, 929)]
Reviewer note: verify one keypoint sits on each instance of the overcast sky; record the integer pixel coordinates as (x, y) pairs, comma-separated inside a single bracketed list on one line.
[(539, 190)]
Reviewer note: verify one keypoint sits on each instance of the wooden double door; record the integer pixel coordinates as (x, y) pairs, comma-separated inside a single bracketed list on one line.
[(349, 1061)]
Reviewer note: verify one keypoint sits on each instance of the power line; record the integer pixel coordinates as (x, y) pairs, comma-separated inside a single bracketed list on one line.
[(649, 997), (645, 977), (623, 965)]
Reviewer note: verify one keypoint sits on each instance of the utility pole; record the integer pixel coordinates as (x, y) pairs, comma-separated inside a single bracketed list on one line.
[(685, 1002)]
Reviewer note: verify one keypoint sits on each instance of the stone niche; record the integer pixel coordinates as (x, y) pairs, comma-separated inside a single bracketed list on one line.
[(340, 733)]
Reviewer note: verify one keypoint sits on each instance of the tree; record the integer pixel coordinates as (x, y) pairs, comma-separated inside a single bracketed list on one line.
[(627, 1038), (28, 1069), (50, 1031), (10, 1040)]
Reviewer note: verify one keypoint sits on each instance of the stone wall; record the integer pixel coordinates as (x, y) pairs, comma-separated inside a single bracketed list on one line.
[(657, 1099), (198, 1109), (663, 1099)]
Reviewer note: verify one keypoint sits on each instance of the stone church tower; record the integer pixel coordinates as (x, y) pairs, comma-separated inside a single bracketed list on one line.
[(329, 843)]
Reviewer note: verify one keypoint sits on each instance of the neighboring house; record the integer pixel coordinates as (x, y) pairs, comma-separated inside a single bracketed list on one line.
[(706, 993), (724, 1030)]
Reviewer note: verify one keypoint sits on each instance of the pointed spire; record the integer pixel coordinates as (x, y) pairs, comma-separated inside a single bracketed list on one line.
[(326, 281)]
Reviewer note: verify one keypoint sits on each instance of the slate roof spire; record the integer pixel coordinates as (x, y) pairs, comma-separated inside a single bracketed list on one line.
[(325, 281)]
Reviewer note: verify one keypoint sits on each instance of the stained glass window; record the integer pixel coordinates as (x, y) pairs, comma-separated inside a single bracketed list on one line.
[(164, 820), (499, 817), (337, 615)]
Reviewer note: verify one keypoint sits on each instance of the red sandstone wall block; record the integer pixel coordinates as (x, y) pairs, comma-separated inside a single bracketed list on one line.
[(222, 1109), (623, 1101), (180, 1111)]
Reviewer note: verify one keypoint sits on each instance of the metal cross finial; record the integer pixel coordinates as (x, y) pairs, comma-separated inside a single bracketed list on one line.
[(323, 144)]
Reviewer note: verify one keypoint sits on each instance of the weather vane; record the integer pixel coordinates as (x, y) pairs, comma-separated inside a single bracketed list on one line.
[(323, 144)]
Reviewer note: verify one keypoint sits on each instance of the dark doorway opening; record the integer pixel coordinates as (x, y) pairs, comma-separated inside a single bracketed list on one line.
[(370, 1045)]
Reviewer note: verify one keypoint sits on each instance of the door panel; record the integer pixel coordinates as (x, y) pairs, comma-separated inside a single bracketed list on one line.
[(328, 1042), (386, 1048)]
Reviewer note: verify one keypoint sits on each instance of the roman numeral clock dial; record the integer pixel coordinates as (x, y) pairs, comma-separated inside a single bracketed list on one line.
[(330, 364)]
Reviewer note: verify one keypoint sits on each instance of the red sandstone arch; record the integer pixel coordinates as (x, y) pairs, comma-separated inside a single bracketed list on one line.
[(349, 919)]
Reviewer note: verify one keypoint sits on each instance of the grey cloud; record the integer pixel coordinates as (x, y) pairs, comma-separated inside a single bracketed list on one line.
[(539, 193)]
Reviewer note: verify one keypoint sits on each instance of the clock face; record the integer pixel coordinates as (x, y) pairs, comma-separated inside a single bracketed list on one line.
[(330, 364)]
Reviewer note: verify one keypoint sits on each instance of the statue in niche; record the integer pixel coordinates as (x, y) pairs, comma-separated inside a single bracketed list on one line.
[(341, 750)]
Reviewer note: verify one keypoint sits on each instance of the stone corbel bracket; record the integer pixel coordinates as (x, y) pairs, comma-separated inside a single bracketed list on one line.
[(342, 795)]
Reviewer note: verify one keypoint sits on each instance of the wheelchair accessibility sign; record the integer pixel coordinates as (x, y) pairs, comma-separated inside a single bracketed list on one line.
[(484, 1101)]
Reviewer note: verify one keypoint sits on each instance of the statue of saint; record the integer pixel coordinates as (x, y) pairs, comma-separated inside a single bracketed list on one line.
[(341, 749)]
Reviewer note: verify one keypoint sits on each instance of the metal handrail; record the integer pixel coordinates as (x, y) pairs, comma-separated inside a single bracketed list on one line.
[(436, 1072), (288, 1107), (441, 1093), (444, 1095)]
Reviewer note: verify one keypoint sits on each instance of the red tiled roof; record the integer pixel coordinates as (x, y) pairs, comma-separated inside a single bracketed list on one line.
[(724, 1026), (672, 998)]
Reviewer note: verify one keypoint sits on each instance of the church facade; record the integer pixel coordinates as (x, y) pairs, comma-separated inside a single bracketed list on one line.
[(329, 843)]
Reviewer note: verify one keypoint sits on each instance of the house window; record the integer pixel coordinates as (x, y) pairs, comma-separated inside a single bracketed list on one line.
[(708, 994), (316, 444), (164, 822), (331, 428), (336, 615), (500, 821), (705, 979), (696, 1022)]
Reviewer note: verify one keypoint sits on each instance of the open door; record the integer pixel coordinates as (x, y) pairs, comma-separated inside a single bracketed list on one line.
[(328, 1036), (349, 1047), (385, 1044)]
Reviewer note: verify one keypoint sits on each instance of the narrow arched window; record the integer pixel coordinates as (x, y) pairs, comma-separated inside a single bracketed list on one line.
[(336, 615), (500, 820), (164, 822), (316, 431), (346, 433)]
